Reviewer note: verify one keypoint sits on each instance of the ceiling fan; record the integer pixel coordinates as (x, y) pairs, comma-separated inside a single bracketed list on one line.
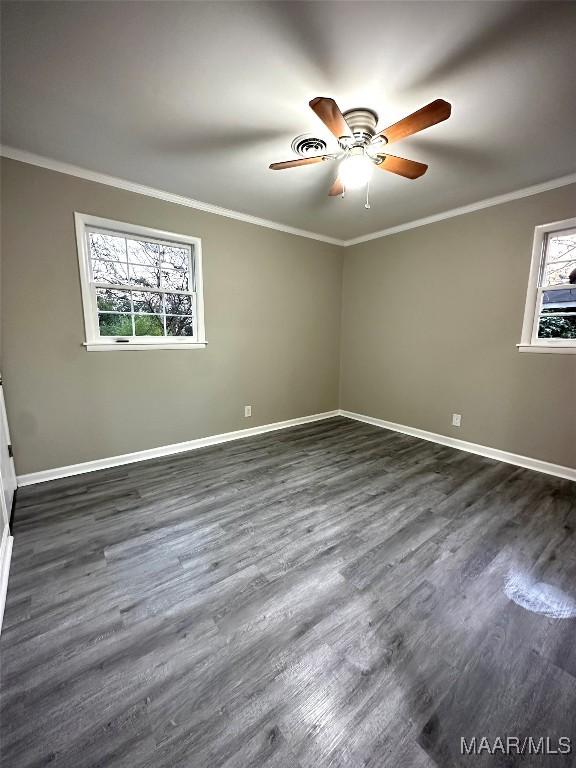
[(362, 147)]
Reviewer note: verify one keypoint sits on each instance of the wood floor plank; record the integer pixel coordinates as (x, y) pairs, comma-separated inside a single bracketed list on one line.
[(328, 595)]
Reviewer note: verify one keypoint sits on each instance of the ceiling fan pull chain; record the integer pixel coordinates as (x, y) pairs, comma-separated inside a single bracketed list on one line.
[(367, 205)]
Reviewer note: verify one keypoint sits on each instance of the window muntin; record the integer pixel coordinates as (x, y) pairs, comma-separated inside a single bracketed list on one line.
[(139, 287), (550, 314)]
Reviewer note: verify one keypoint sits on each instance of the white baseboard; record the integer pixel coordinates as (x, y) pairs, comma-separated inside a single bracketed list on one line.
[(481, 450), (190, 445), (165, 450), (5, 557)]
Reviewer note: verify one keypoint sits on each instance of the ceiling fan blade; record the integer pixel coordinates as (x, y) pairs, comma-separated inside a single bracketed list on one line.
[(298, 161), (432, 113), (336, 189), (410, 169), (329, 112)]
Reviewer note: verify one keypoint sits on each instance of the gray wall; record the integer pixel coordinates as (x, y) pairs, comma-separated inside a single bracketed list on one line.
[(272, 311), (430, 320)]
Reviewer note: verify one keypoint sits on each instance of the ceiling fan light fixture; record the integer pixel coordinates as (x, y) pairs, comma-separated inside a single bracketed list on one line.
[(355, 170), (360, 147)]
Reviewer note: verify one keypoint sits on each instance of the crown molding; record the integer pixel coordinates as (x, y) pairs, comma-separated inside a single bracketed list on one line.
[(112, 181), (73, 170), (563, 181)]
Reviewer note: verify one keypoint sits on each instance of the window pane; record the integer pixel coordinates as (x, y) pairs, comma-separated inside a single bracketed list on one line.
[(115, 325), (149, 325), (140, 252), (561, 247), (174, 257), (141, 287), (107, 247), (179, 326), (178, 304), (562, 300), (109, 272), (145, 301), (113, 301), (175, 280), (557, 327), (559, 272), (145, 276)]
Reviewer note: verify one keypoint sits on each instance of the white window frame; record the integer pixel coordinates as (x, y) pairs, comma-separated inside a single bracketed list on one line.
[(530, 341), (96, 343)]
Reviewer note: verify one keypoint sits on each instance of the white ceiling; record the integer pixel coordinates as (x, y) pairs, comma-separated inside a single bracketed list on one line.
[(199, 98)]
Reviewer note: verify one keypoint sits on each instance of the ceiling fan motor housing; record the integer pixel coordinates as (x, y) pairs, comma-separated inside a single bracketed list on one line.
[(362, 123)]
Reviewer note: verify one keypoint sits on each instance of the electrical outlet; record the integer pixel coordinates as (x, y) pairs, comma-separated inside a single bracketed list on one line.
[(247, 411), (456, 419)]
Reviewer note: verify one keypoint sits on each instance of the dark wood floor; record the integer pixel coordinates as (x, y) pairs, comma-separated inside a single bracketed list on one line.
[(329, 595)]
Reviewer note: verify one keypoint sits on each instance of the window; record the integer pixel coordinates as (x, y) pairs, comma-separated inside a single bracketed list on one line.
[(550, 315), (141, 288)]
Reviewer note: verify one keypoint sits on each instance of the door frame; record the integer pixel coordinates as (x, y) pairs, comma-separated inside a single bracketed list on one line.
[(8, 514)]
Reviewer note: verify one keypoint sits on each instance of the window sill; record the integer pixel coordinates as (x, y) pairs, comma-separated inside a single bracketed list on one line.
[(554, 348), (106, 346)]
